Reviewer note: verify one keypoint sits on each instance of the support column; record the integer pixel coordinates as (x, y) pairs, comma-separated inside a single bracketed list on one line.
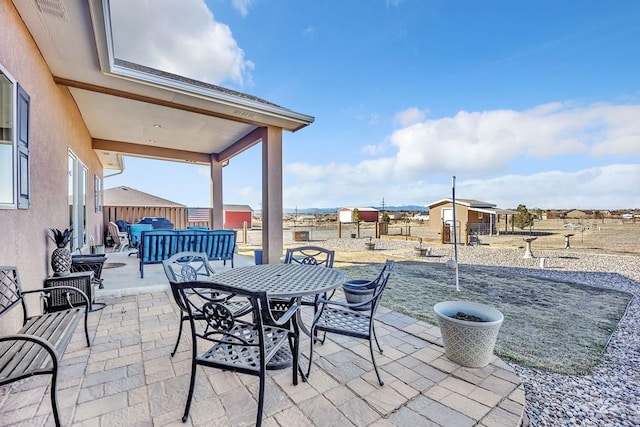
[(216, 220), (272, 242)]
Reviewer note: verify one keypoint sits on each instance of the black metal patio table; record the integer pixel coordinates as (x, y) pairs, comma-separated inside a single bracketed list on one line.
[(283, 281)]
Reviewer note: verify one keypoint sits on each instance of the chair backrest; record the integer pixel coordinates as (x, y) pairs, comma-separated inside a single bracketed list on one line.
[(380, 283), (135, 231), (206, 300), (10, 290), (187, 266), (312, 255), (114, 232)]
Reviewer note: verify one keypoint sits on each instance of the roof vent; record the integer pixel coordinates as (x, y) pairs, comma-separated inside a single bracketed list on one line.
[(52, 7)]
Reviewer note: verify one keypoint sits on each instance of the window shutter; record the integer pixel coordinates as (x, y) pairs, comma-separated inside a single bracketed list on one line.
[(24, 200)]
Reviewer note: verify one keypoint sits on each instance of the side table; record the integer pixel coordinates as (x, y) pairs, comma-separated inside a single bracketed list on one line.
[(93, 262), (60, 300)]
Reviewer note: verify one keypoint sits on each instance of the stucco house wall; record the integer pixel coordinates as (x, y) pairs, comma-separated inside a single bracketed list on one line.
[(55, 127)]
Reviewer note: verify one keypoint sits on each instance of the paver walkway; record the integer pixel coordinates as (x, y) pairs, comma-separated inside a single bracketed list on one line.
[(127, 378)]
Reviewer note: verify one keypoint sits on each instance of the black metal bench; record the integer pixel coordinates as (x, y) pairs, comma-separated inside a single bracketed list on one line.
[(37, 347)]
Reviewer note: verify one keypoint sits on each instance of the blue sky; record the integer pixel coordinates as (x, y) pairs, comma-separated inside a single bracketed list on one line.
[(524, 102)]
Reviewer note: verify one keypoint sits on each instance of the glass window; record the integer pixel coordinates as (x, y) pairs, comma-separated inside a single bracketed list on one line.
[(7, 144), (14, 144)]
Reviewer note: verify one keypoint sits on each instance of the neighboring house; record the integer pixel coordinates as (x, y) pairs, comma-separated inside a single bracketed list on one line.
[(470, 215), (366, 214), (421, 216), (70, 109), (127, 196), (235, 216), (132, 205)]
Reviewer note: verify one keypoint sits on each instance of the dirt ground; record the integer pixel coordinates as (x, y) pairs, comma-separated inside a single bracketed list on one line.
[(608, 236)]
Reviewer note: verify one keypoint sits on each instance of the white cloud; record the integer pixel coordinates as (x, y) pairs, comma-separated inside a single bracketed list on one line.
[(242, 6), (179, 37), (410, 116), (602, 187), (483, 149), (483, 143), (605, 187)]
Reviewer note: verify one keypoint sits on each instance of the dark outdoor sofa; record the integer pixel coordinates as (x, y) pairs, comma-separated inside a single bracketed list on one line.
[(159, 245)]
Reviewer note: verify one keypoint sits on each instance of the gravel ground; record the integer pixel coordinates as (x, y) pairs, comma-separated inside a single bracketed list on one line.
[(610, 396)]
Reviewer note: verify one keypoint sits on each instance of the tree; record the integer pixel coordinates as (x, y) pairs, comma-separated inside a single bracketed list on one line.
[(355, 219), (355, 215), (537, 213), (598, 215), (523, 218)]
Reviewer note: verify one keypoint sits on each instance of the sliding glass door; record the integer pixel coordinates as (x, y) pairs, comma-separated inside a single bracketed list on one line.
[(78, 184)]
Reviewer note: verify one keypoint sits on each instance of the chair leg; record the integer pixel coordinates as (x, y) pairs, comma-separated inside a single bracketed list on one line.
[(373, 332), (54, 400), (373, 359), (192, 384), (295, 349), (312, 339), (173, 353), (261, 395)]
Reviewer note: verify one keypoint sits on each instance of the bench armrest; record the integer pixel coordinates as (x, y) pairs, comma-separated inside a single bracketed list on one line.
[(52, 288), (70, 288)]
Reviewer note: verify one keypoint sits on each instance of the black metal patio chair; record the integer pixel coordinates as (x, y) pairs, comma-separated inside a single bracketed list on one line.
[(304, 255), (344, 318), (310, 255), (233, 343), (193, 266)]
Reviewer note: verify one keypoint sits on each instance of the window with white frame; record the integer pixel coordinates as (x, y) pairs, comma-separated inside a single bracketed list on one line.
[(14, 143), (78, 185)]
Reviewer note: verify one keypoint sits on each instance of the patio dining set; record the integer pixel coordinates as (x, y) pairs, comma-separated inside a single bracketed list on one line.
[(250, 317)]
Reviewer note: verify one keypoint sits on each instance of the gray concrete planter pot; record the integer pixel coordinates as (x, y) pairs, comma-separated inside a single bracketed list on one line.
[(468, 343)]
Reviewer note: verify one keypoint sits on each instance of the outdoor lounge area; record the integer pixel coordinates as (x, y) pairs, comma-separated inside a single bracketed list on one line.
[(127, 376)]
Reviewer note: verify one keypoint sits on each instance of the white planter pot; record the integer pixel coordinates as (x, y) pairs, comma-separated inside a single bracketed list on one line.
[(466, 342)]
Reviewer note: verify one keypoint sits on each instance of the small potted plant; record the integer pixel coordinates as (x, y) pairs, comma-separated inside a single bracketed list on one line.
[(61, 256), (370, 244)]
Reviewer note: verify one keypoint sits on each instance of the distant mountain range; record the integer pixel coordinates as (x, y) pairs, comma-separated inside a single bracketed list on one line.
[(406, 208)]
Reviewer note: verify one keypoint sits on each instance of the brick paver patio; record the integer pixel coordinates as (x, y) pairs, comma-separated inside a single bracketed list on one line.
[(127, 378)]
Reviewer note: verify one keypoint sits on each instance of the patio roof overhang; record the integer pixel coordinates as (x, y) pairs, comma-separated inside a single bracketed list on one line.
[(134, 110)]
